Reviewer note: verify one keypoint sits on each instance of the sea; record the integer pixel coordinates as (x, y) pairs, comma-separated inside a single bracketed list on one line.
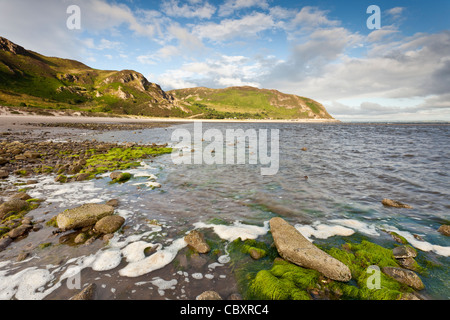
[(326, 179)]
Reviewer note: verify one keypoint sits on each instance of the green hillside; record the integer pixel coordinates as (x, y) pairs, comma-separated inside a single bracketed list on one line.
[(31, 80), (250, 102)]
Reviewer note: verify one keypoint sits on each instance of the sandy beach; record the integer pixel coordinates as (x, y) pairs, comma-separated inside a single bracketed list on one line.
[(22, 119)]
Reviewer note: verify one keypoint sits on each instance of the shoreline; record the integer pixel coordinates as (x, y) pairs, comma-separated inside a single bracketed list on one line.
[(7, 117)]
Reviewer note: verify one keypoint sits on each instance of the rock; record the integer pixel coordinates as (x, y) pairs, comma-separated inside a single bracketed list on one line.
[(235, 296), (4, 242), (15, 205), (295, 248), (75, 169), (21, 196), (398, 238), (90, 241), (115, 175), (109, 224), (408, 277), (209, 295), (304, 149), (37, 227), (87, 293), (445, 229), (113, 203), (403, 252), (196, 240), (32, 181), (120, 176), (83, 216), (61, 178), (395, 204), (108, 237), (408, 263), (257, 254), (32, 155), (22, 256), (3, 161), (4, 174), (82, 176), (26, 220), (80, 238), (19, 231)]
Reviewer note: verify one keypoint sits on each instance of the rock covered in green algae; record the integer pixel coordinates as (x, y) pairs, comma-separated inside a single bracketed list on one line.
[(13, 205), (83, 216), (294, 247)]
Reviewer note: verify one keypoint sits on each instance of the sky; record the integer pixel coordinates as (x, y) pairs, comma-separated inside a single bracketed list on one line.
[(322, 49)]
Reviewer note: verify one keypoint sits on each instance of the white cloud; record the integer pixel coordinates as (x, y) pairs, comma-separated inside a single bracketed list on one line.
[(223, 71), (395, 11), (230, 6), (311, 17), (232, 82), (194, 10), (380, 34), (227, 29)]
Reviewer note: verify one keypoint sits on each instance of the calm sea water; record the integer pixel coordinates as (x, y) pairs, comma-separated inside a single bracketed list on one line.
[(350, 168)]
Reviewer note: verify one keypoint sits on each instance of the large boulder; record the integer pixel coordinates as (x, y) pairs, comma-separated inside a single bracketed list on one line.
[(109, 224), (295, 248), (13, 205), (83, 216)]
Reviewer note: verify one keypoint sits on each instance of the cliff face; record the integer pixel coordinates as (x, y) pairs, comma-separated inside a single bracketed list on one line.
[(28, 78)]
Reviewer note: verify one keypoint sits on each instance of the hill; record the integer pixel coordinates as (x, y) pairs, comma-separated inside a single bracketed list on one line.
[(29, 79), (251, 102)]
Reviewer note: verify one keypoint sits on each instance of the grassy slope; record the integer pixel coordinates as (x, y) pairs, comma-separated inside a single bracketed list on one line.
[(259, 103)]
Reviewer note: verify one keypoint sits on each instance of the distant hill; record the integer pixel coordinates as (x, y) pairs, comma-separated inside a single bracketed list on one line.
[(256, 103), (29, 79)]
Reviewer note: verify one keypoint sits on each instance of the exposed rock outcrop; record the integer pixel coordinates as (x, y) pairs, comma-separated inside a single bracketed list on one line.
[(295, 248)]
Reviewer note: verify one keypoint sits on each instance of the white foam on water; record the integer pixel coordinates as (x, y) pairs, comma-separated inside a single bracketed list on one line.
[(357, 225), (158, 260), (323, 231), (107, 260), (235, 231), (197, 276), (135, 251), (419, 244), (164, 284)]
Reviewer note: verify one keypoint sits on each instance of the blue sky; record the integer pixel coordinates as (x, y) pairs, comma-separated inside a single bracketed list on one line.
[(319, 49)]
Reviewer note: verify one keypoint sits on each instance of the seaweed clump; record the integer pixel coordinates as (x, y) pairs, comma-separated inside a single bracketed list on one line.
[(287, 281)]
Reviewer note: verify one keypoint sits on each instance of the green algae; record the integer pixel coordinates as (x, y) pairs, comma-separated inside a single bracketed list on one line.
[(287, 281), (99, 162)]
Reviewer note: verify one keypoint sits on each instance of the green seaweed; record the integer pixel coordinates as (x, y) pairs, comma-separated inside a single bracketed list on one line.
[(119, 159), (285, 280)]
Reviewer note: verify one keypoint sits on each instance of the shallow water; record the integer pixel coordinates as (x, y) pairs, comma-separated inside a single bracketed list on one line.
[(350, 169)]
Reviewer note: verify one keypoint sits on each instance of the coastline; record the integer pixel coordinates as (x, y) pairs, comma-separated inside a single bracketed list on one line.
[(7, 118), (44, 171)]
